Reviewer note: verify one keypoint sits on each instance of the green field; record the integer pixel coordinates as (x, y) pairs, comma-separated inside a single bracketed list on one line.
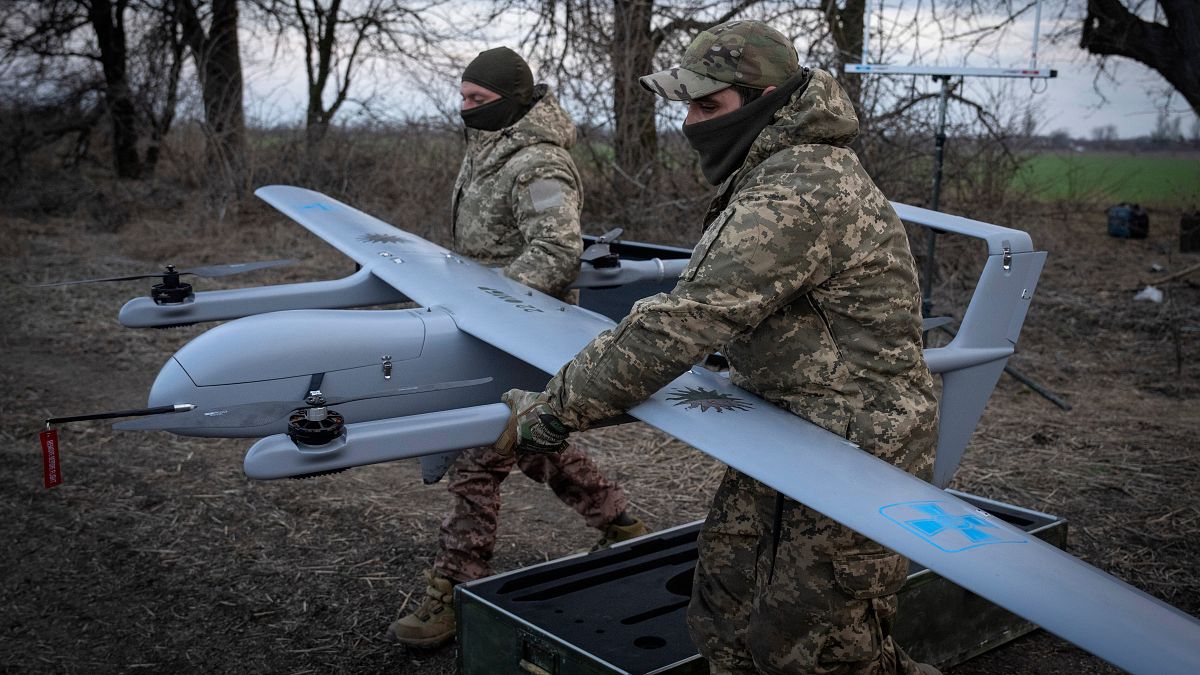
[(1153, 180)]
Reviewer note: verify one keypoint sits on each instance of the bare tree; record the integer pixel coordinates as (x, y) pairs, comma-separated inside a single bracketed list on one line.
[(1167, 128), (108, 22), (214, 49), (1117, 28), (844, 24), (64, 106), (159, 59), (1104, 134), (342, 40), (610, 45), (117, 39), (631, 53), (57, 32)]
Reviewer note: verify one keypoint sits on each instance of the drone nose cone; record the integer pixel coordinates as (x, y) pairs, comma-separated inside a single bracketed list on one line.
[(173, 385)]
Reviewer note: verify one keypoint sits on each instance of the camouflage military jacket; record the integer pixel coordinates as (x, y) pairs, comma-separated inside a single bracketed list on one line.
[(517, 198), (803, 279)]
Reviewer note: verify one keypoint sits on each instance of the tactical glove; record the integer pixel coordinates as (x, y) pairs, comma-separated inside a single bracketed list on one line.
[(533, 426)]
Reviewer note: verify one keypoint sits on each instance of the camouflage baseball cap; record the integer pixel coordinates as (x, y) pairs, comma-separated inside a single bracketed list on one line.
[(749, 53)]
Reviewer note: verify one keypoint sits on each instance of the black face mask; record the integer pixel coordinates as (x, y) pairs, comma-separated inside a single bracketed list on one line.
[(494, 116), (724, 142)]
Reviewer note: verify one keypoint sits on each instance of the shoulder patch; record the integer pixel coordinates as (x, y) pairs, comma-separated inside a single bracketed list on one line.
[(546, 194)]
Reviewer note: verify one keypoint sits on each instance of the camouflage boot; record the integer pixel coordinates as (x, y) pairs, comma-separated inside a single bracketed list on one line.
[(433, 622), (614, 533)]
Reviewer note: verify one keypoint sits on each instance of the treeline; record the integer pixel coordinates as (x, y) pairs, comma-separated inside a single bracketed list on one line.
[(112, 89), (1169, 135)]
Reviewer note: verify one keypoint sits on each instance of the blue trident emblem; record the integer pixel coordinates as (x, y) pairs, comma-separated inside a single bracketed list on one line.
[(949, 526), (316, 205)]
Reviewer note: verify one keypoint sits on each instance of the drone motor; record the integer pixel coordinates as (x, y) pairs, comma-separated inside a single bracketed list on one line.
[(316, 425), (302, 428), (171, 291)]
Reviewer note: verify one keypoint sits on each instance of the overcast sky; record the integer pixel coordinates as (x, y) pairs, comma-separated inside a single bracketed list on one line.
[(1133, 101)]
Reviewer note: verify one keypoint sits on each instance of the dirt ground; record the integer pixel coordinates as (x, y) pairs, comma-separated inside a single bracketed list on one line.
[(158, 554)]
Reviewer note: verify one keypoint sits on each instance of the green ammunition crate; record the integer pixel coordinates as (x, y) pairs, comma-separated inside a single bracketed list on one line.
[(622, 610)]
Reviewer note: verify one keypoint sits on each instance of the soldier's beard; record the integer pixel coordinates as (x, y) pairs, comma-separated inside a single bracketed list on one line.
[(494, 116), (724, 142)]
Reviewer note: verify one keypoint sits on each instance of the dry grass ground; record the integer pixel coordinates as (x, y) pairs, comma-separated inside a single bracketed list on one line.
[(157, 553)]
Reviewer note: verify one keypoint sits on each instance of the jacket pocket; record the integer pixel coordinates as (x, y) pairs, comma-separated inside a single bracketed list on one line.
[(870, 575), (700, 253)]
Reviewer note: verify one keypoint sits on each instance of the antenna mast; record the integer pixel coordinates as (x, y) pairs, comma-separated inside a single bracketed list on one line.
[(944, 75)]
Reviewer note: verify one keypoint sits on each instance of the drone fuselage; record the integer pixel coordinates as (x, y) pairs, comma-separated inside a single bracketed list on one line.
[(281, 356)]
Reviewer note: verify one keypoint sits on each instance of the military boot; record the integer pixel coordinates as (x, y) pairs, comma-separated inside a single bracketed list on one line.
[(614, 533), (433, 621)]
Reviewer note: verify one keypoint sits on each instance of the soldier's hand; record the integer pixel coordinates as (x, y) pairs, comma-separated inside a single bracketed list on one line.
[(533, 426)]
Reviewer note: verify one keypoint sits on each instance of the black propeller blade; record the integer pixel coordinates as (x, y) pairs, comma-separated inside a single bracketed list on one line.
[(598, 254), (257, 414), (161, 411), (209, 271), (213, 271)]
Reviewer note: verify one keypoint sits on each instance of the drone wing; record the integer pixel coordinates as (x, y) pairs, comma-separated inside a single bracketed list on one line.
[(972, 548), (484, 302)]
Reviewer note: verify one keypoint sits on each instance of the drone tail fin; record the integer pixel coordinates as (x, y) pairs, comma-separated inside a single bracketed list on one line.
[(971, 364)]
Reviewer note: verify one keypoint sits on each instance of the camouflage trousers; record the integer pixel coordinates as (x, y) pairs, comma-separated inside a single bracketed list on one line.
[(810, 596), (468, 534)]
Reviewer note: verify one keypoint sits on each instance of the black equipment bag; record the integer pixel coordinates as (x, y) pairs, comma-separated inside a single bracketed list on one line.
[(1128, 221)]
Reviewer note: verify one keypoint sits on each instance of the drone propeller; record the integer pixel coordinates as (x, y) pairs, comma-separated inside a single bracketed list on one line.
[(169, 271), (598, 254), (160, 411), (244, 415), (51, 462)]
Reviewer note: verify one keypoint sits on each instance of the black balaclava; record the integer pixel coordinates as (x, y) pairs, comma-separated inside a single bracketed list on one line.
[(503, 71), (724, 142)]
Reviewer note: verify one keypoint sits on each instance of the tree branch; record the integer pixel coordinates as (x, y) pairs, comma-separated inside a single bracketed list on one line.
[(687, 23), (1111, 29)]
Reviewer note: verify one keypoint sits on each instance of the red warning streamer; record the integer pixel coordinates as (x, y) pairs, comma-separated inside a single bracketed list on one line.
[(51, 469)]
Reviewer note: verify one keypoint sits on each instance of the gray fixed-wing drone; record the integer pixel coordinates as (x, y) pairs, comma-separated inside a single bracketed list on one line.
[(424, 382)]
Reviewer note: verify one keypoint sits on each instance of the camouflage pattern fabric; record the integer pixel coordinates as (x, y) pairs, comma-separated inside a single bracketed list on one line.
[(468, 534), (804, 280), (815, 598), (517, 199), (747, 53), (516, 204)]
